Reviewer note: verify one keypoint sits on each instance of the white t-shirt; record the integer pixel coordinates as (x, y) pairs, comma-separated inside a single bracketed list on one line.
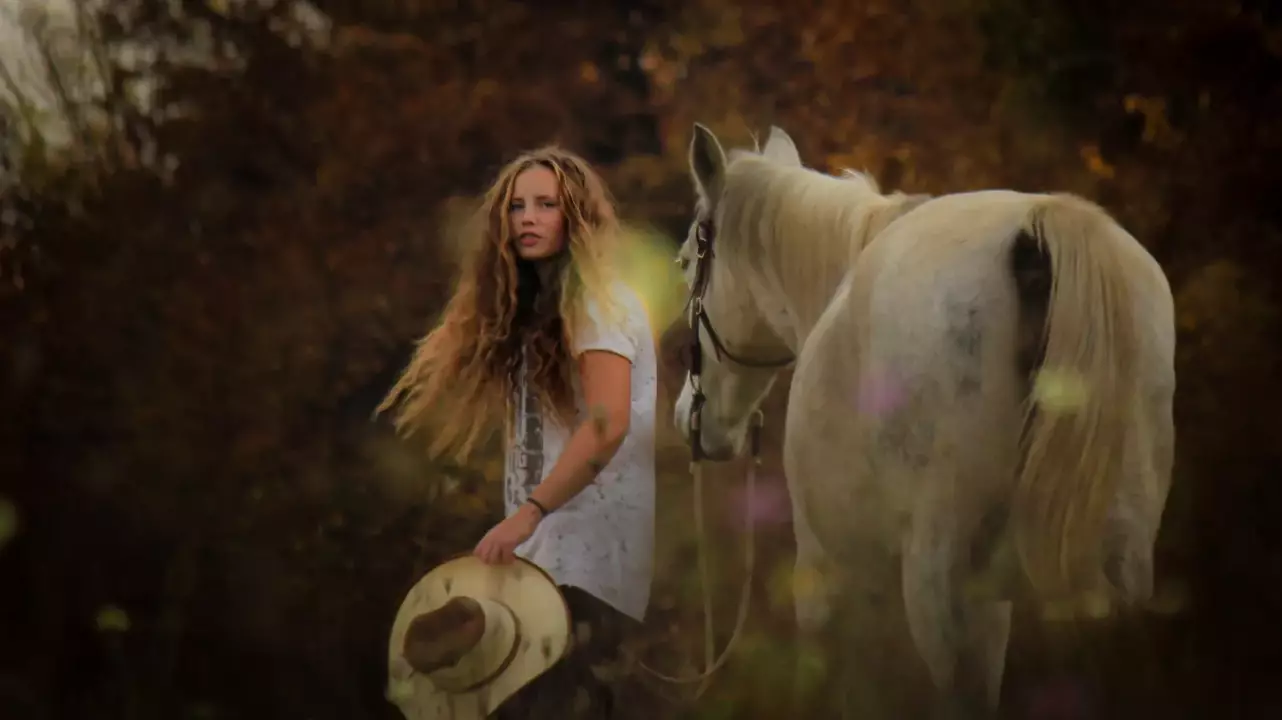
[(602, 540)]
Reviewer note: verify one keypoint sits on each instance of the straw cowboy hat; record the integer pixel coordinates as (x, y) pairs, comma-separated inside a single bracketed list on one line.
[(469, 635)]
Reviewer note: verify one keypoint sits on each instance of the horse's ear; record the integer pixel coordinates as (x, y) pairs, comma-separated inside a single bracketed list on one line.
[(781, 148), (707, 162)]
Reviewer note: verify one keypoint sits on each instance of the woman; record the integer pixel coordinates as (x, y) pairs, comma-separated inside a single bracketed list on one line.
[(540, 332)]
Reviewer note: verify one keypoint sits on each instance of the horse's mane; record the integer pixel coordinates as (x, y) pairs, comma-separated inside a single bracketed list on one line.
[(804, 224), (864, 177)]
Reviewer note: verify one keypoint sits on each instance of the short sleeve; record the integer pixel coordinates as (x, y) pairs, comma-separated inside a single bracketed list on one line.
[(611, 332)]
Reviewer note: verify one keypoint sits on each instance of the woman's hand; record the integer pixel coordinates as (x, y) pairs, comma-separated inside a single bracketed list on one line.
[(499, 544)]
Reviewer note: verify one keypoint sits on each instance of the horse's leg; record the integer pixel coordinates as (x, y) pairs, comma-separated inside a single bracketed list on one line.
[(811, 595), (879, 675), (962, 642), (845, 637)]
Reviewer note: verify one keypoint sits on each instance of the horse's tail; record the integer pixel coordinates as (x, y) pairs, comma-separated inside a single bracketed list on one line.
[(1076, 305)]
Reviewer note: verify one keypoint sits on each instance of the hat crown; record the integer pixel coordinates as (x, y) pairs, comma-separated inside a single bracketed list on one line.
[(489, 657)]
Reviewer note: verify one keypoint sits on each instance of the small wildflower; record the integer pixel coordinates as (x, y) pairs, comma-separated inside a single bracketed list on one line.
[(1097, 606), (112, 619), (807, 583)]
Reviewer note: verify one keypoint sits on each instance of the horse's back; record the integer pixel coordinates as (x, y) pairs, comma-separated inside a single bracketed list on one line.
[(953, 251), (937, 298)]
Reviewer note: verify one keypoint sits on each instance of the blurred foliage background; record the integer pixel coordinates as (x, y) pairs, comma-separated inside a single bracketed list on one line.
[(222, 229)]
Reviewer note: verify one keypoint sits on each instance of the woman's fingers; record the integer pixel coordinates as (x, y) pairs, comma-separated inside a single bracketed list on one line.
[(493, 551), (483, 549)]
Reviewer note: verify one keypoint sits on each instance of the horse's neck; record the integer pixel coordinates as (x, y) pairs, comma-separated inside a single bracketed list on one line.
[(808, 261)]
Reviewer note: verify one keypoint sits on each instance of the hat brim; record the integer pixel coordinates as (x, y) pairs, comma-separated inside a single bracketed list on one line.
[(534, 599)]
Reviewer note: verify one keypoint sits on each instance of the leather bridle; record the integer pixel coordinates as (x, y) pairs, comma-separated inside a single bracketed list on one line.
[(705, 233)]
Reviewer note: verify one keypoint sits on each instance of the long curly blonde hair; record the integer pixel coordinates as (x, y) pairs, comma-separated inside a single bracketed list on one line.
[(463, 373)]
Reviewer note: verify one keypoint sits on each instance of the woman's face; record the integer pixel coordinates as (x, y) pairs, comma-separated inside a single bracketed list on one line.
[(538, 225)]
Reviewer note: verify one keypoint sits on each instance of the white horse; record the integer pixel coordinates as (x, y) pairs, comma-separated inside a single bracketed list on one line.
[(980, 410)]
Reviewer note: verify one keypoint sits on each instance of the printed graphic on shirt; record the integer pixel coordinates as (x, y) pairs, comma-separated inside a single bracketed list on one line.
[(526, 460), (531, 460)]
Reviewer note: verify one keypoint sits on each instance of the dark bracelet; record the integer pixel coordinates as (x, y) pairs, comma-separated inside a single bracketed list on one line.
[(542, 510)]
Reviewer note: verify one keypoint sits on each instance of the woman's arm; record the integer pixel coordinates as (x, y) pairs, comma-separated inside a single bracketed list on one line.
[(606, 380)]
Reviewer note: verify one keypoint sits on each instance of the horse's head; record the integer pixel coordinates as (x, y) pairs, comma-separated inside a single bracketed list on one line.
[(736, 356)]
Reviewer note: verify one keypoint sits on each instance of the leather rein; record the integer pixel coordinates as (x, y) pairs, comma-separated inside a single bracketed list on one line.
[(705, 232)]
